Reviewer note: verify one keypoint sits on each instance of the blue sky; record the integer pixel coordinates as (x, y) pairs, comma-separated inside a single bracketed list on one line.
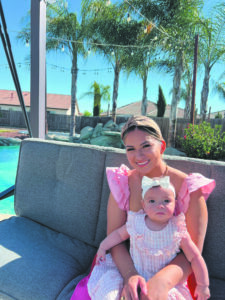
[(94, 68)]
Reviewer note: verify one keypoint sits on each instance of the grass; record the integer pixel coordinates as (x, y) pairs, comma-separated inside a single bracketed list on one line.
[(8, 130)]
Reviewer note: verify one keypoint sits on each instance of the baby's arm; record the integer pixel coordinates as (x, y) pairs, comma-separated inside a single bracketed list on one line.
[(114, 238), (198, 266)]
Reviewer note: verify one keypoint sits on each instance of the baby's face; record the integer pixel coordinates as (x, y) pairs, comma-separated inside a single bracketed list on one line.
[(159, 204)]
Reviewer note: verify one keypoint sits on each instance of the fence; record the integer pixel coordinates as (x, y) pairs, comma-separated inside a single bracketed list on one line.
[(59, 122)]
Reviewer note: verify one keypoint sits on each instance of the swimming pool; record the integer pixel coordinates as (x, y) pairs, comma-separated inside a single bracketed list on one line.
[(8, 165)]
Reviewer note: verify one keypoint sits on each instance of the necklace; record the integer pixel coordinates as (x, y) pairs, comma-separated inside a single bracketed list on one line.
[(165, 173)]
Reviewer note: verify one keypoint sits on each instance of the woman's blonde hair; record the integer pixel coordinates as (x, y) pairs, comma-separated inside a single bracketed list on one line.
[(143, 123)]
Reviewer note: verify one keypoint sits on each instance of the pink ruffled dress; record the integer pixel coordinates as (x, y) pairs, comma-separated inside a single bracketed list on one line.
[(150, 251), (118, 183)]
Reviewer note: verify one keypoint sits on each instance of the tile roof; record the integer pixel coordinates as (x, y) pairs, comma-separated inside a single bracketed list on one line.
[(135, 109), (54, 101)]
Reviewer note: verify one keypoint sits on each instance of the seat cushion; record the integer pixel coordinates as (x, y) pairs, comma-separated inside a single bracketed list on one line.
[(37, 262), (217, 288)]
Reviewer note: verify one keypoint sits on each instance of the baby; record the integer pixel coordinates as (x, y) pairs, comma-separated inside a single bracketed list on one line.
[(156, 236)]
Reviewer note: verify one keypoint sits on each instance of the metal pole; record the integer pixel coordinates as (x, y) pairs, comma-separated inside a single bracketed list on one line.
[(38, 68), (194, 80)]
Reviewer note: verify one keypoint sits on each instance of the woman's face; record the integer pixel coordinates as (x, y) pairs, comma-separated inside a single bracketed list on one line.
[(143, 151)]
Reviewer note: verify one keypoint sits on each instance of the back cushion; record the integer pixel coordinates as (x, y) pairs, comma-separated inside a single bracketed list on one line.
[(214, 247), (59, 185)]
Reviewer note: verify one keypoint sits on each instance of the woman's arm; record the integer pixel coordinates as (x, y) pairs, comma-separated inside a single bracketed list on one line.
[(197, 218), (179, 269), (198, 266)]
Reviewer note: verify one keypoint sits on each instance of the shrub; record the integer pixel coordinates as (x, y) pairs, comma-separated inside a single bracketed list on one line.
[(87, 114), (202, 141), (219, 116)]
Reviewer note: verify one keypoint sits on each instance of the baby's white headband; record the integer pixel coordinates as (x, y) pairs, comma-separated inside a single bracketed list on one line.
[(164, 182)]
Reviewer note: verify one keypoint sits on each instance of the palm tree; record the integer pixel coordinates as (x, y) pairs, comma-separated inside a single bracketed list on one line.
[(220, 87), (99, 92), (212, 50), (186, 92), (64, 31), (142, 61), (110, 34), (176, 22)]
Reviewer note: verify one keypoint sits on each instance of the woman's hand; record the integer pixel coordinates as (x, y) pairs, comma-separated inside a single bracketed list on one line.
[(131, 288)]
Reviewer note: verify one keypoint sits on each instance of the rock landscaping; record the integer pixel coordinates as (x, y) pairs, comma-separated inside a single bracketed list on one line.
[(107, 135)]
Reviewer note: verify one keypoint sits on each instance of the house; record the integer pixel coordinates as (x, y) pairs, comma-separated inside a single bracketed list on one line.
[(60, 104), (135, 109), (212, 115)]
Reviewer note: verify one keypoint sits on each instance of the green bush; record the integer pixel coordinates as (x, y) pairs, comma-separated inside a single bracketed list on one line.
[(87, 114), (202, 141), (219, 116)]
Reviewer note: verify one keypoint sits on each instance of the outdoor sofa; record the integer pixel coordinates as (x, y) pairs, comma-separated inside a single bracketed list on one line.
[(61, 195)]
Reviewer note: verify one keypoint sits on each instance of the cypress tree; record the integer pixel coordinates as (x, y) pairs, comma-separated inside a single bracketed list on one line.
[(97, 100), (161, 103)]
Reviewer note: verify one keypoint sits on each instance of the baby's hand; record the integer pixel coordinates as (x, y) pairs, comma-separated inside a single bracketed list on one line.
[(202, 292), (100, 255)]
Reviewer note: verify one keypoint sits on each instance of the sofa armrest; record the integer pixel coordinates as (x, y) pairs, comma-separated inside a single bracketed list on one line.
[(7, 193)]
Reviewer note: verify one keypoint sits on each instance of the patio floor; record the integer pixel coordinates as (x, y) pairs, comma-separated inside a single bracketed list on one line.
[(5, 216)]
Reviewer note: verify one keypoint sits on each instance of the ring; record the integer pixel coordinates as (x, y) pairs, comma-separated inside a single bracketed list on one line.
[(122, 298)]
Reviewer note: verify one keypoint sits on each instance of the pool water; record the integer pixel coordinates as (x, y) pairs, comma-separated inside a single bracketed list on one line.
[(8, 165)]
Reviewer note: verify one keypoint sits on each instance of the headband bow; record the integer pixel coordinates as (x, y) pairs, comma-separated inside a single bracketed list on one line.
[(164, 182)]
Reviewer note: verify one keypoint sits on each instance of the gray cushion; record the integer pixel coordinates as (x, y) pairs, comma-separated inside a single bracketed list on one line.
[(114, 158), (68, 290), (36, 262), (215, 238), (217, 289), (189, 165), (59, 185)]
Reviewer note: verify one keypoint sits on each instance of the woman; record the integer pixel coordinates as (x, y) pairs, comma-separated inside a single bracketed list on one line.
[(144, 146)]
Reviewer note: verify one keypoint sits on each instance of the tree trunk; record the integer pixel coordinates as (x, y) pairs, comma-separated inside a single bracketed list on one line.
[(205, 93), (108, 110), (74, 72), (144, 103), (176, 97), (115, 90), (187, 109)]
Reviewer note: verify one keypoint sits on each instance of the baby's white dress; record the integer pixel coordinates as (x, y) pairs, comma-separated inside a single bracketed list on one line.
[(150, 251)]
